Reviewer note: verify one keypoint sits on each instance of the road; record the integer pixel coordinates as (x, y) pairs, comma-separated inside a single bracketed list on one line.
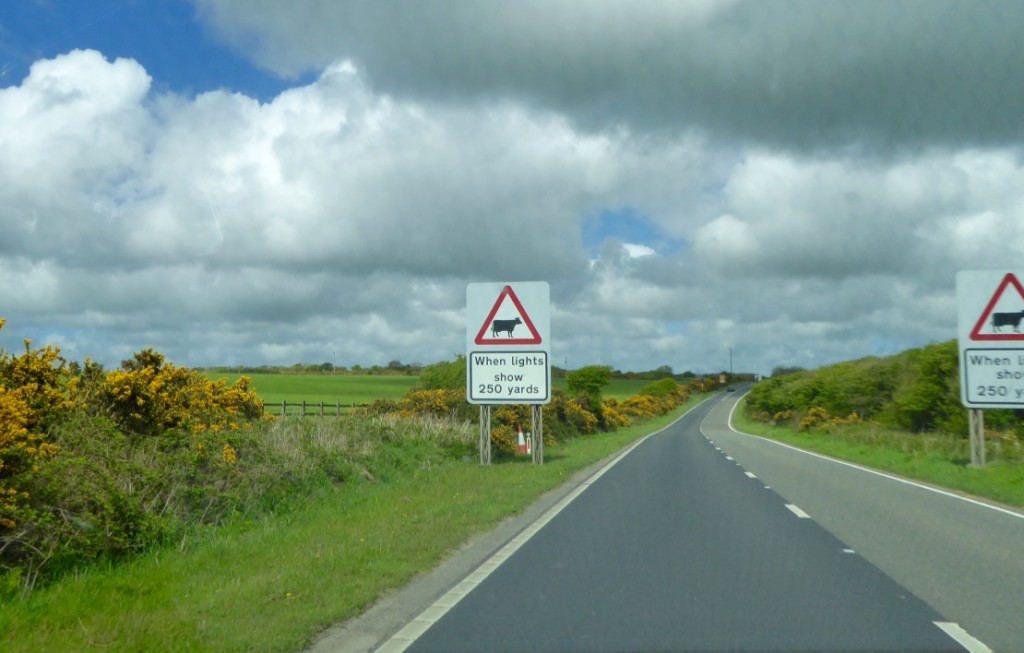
[(963, 556), (703, 539)]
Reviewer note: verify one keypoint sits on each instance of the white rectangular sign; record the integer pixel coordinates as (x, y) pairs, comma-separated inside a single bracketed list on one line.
[(508, 343), (990, 331), (502, 377)]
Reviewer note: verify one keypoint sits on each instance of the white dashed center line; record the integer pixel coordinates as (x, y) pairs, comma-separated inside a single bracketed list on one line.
[(796, 511)]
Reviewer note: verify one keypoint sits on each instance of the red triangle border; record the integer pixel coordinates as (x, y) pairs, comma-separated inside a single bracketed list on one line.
[(508, 292), (976, 333)]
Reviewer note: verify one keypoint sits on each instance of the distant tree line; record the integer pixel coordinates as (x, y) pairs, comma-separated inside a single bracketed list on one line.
[(581, 409), (917, 390), (415, 369), (393, 367)]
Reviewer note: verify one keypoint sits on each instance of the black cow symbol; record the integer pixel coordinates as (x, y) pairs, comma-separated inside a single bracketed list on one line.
[(504, 326), (1000, 320)]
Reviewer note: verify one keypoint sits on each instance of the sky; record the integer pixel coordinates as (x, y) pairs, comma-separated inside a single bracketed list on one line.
[(762, 184)]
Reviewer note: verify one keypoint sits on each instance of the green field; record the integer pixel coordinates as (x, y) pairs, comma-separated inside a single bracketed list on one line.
[(354, 389), (346, 389), (618, 388)]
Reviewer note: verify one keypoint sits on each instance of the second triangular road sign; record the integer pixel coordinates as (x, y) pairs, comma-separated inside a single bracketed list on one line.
[(1002, 317)]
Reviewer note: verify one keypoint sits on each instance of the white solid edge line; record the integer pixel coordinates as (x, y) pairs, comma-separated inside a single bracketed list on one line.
[(413, 630), (891, 477), (962, 637)]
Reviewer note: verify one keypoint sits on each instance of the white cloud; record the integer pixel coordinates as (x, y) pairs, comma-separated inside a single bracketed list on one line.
[(345, 216), (840, 218), (727, 242), (70, 133), (635, 250), (791, 75)]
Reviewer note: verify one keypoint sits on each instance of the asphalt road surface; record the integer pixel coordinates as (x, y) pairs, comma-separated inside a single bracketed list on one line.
[(963, 556), (688, 543)]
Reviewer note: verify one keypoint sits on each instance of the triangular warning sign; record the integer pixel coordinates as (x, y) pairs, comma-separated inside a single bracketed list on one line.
[(1005, 323), (493, 327)]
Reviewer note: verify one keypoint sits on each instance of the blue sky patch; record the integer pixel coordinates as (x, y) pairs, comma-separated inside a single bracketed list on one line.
[(165, 37), (629, 226)]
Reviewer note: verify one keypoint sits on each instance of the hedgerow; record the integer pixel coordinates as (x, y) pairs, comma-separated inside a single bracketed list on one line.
[(31, 399), (149, 395), (580, 411), (100, 465), (915, 391)]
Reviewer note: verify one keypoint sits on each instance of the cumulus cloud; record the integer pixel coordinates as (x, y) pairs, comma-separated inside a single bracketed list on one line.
[(71, 132), (797, 182), (847, 218), (328, 200), (799, 74)]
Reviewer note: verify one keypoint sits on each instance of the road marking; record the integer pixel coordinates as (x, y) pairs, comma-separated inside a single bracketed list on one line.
[(796, 511), (413, 630), (729, 458), (848, 551), (962, 637), (749, 475), (898, 479)]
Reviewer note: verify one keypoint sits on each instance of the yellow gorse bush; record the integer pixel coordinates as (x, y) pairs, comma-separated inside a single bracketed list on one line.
[(819, 418), (31, 396), (40, 376), (574, 412), (815, 418), (440, 402), (149, 395), (850, 420), (643, 406), (146, 396), (566, 416), (782, 417), (14, 442), (504, 437), (612, 414)]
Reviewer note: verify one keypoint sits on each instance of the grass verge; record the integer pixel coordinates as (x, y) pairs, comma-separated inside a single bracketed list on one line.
[(938, 459), (275, 583)]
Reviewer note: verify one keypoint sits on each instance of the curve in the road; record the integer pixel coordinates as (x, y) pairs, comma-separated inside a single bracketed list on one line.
[(673, 547)]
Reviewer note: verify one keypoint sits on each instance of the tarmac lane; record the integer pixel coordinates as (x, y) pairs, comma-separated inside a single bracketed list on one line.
[(676, 546)]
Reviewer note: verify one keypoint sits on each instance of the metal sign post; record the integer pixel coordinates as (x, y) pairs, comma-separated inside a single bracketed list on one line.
[(537, 417), (977, 419), (485, 435), (990, 315), (508, 352)]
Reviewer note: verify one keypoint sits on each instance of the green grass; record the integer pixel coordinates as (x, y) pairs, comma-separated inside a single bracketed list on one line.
[(938, 459), (274, 584), (349, 389), (618, 388)]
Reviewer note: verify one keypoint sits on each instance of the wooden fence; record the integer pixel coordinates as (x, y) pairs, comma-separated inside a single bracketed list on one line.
[(308, 408)]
